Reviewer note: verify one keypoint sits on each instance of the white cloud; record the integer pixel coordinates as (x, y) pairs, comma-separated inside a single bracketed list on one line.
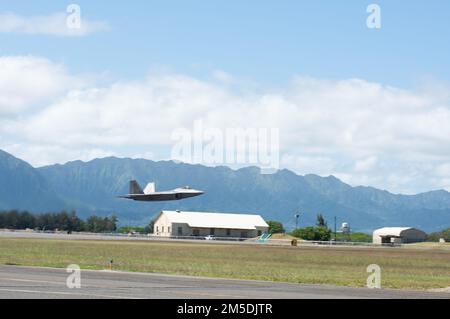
[(222, 76), (59, 154), (363, 132), (443, 169), (309, 164), (26, 81), (54, 24), (366, 164)]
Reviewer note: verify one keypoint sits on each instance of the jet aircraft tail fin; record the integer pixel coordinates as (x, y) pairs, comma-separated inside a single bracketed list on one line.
[(135, 188), (150, 188)]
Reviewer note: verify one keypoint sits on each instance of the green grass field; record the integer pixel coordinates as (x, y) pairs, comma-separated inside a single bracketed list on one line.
[(401, 268)]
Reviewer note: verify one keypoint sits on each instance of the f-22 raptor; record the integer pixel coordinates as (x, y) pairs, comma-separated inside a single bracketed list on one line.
[(149, 194)]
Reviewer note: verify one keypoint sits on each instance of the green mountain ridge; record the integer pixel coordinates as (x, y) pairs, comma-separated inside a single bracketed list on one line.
[(93, 187)]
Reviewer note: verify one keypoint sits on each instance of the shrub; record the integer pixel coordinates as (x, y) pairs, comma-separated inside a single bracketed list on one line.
[(313, 233), (275, 227)]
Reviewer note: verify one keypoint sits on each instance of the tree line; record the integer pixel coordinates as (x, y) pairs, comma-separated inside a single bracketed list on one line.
[(435, 237), (321, 232), (63, 221)]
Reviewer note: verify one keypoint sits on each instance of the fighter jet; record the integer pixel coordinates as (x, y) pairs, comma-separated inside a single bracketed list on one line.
[(149, 194)]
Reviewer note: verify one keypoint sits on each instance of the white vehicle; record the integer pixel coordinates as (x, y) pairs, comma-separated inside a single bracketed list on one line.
[(210, 237)]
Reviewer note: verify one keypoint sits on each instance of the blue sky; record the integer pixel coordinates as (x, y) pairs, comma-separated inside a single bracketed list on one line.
[(370, 106), (267, 41)]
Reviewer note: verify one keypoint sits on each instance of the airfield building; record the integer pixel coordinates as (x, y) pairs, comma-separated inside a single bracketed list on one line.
[(179, 224), (398, 235)]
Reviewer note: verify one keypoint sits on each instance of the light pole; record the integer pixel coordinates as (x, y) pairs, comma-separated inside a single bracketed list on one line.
[(297, 216)]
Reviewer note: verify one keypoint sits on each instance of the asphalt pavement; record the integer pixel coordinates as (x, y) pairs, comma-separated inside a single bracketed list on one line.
[(49, 283)]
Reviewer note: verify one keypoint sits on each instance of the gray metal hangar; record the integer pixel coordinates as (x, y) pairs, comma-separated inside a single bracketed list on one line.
[(398, 235)]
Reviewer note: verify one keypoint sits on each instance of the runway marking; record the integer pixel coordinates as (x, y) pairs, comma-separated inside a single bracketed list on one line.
[(123, 288), (66, 293), (117, 297)]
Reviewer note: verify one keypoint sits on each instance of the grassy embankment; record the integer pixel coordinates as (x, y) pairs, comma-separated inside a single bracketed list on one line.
[(401, 268)]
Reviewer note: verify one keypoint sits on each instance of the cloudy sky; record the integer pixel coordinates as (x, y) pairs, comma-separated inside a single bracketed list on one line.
[(370, 106)]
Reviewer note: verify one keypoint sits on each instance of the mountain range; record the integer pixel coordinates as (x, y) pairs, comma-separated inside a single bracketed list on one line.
[(92, 188)]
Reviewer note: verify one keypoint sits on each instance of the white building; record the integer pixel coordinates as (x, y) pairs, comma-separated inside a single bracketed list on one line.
[(177, 223), (400, 235)]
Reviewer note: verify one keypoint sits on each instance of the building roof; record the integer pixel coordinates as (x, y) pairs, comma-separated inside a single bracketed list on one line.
[(391, 231), (216, 220)]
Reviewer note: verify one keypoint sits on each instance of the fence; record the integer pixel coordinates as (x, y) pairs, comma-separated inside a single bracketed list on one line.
[(250, 241)]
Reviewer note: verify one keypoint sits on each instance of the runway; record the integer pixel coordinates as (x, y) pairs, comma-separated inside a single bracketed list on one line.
[(49, 283)]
